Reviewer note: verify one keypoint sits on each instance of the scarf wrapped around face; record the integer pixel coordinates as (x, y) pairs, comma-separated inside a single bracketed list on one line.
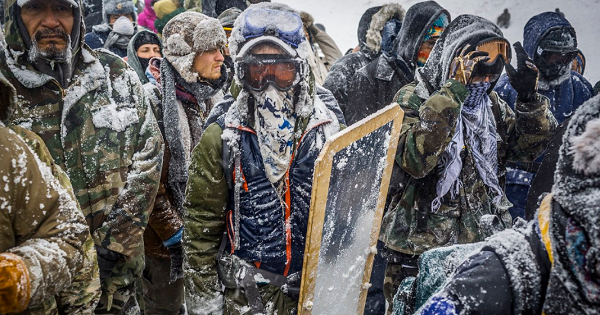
[(476, 128), (275, 119)]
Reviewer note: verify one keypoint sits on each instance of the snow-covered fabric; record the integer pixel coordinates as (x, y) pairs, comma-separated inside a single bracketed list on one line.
[(110, 7), (275, 120), (121, 34), (378, 22), (187, 35), (228, 17), (476, 127), (71, 2), (132, 58), (577, 191), (418, 19)]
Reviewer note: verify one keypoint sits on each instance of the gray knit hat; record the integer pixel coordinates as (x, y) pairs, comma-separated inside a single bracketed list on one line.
[(188, 34), (228, 17)]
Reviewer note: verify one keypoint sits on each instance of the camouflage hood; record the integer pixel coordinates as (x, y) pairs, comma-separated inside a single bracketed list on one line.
[(18, 41), (8, 99)]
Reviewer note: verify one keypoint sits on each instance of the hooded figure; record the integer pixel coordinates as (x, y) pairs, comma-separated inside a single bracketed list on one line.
[(227, 18), (42, 236), (114, 36), (148, 16), (551, 266), (252, 171), (455, 141), (92, 13), (342, 71), (99, 128), (375, 85), (140, 65), (545, 34)]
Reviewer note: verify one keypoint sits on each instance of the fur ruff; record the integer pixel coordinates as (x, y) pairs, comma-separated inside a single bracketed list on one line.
[(387, 12), (585, 149)]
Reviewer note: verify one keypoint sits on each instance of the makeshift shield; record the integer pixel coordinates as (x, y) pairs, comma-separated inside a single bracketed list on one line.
[(350, 185)]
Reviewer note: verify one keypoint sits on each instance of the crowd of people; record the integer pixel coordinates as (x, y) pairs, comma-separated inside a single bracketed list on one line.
[(157, 157)]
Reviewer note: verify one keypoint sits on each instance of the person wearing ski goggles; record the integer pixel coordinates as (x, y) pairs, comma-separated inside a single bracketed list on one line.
[(253, 160)]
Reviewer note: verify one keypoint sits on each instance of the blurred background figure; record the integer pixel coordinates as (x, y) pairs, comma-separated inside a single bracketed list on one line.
[(503, 20)]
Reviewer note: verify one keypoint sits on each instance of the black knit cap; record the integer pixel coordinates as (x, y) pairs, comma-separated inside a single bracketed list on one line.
[(145, 38)]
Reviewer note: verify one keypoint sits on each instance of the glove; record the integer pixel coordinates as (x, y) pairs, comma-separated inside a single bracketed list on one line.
[(14, 284), (462, 66), (525, 79), (107, 260), (176, 252)]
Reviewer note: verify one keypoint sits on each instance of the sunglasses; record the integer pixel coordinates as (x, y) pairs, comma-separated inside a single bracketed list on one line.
[(496, 48), (258, 73)]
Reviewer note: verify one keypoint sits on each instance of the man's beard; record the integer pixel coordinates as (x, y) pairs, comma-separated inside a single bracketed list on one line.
[(51, 53)]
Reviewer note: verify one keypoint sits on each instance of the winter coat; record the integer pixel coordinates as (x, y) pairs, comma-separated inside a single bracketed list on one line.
[(92, 10), (374, 86), (565, 97), (214, 8), (97, 38), (48, 231), (147, 17), (342, 71), (209, 202), (167, 217), (102, 132)]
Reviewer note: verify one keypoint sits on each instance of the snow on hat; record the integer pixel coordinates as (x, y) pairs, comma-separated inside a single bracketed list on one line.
[(188, 34), (274, 22), (110, 7), (228, 17), (74, 3)]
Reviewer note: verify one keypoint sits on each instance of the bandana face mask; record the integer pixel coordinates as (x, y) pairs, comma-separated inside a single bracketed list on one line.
[(275, 120), (433, 33)]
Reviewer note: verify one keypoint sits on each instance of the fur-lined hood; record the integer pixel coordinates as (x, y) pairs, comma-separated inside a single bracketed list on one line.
[(387, 12), (8, 99)]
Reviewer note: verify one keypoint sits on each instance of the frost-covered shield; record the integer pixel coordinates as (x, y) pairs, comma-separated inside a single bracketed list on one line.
[(350, 184)]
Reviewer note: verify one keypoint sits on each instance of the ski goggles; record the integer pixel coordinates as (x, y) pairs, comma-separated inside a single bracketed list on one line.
[(258, 73), (552, 56), (284, 25), (495, 48)]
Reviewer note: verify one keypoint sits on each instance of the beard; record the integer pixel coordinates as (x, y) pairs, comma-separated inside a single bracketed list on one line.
[(51, 52)]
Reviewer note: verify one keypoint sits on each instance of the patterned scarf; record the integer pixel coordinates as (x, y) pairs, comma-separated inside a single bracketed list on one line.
[(476, 126), (275, 119)]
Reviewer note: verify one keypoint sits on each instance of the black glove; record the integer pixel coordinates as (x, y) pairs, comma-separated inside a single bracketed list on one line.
[(176, 252), (525, 79), (107, 260)]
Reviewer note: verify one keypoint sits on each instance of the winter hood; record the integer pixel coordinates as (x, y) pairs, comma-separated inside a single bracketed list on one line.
[(418, 19), (18, 41), (575, 229), (378, 20), (538, 26), (133, 60), (463, 30), (363, 27)]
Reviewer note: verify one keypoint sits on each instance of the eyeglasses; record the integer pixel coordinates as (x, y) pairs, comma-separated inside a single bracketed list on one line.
[(552, 57), (494, 48), (257, 73)]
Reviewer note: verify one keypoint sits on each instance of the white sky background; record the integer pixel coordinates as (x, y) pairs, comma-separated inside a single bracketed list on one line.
[(341, 18)]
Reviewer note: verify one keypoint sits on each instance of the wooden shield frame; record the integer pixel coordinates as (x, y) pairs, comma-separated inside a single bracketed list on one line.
[(320, 191)]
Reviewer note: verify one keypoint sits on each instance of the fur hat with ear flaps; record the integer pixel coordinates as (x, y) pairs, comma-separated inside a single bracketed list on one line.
[(574, 286), (387, 12), (187, 35)]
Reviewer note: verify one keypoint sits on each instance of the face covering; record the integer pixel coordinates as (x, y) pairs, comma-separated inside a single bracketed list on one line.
[(275, 120), (476, 128), (121, 34), (145, 62)]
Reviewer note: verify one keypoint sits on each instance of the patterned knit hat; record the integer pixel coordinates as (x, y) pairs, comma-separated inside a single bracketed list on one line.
[(187, 35)]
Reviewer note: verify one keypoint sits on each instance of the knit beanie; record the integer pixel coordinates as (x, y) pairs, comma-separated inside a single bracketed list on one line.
[(164, 7), (110, 7), (187, 35)]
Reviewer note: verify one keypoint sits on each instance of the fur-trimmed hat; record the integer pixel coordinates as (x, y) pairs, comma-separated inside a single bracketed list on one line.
[(110, 7), (188, 34), (387, 12)]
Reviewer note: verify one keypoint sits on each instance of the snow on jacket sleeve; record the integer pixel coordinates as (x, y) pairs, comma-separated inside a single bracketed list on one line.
[(479, 286), (39, 219), (428, 126), (361, 97), (206, 202)]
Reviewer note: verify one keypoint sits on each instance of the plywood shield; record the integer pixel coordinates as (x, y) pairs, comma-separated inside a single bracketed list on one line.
[(350, 185)]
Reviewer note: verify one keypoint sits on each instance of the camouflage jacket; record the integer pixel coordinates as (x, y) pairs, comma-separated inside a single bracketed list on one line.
[(411, 227), (102, 132)]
